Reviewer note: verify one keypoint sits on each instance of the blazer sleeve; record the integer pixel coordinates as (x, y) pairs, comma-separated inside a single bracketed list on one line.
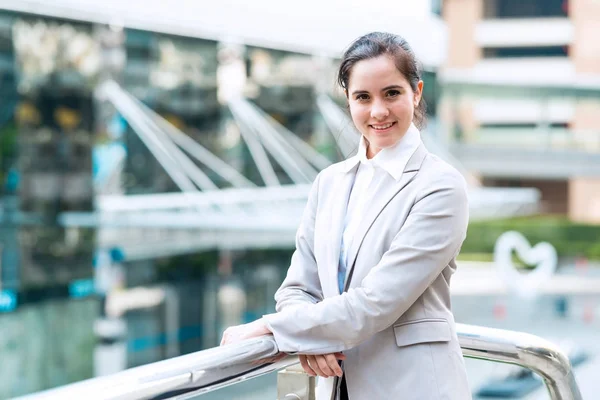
[(302, 284), (428, 240)]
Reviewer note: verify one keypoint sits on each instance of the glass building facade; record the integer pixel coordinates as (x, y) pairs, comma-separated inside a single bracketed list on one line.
[(47, 74)]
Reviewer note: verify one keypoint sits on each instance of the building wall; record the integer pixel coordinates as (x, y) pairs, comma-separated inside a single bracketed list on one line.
[(584, 193), (579, 24), (46, 135), (585, 52), (554, 193), (462, 17), (584, 200)]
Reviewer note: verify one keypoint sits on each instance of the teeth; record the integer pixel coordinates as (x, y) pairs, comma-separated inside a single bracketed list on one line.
[(382, 126)]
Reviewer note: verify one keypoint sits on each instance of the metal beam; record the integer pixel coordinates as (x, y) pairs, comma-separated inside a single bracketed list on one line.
[(230, 196), (257, 151), (196, 150), (318, 160), (286, 155), (516, 162), (465, 87), (245, 115), (190, 169), (339, 124), (111, 91)]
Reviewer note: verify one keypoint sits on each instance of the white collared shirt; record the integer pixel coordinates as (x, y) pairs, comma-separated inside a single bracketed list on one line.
[(370, 173)]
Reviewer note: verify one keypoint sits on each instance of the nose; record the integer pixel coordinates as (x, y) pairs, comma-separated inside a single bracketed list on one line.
[(379, 110)]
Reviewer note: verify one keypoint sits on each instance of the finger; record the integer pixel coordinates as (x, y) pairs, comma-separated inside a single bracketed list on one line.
[(340, 356), (305, 366), (226, 339), (314, 364), (324, 365), (333, 364)]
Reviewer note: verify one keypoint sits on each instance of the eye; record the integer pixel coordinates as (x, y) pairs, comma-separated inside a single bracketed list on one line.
[(362, 97), (392, 93)]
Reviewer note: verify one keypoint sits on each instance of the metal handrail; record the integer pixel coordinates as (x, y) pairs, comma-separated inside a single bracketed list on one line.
[(197, 373), (525, 350)]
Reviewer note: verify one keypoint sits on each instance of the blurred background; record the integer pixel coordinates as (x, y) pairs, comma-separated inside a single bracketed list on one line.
[(155, 159)]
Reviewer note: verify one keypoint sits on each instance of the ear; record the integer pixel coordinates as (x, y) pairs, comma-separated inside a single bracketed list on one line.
[(347, 100), (418, 93)]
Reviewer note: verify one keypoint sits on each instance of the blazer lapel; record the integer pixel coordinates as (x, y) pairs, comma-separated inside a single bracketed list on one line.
[(339, 205), (376, 202)]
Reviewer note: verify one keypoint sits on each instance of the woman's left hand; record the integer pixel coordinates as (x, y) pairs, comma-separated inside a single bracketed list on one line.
[(325, 365), (237, 333)]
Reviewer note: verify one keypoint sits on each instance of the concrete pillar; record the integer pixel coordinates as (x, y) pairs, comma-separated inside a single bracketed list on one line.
[(585, 52), (231, 72), (584, 200), (110, 126), (231, 84), (461, 17), (585, 55), (232, 303), (110, 353), (584, 192)]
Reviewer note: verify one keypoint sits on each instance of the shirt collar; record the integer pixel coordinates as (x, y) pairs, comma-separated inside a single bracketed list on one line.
[(392, 159)]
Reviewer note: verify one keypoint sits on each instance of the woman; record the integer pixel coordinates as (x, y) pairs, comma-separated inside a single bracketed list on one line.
[(368, 284)]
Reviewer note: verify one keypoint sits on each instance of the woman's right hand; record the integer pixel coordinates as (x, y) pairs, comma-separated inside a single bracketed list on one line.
[(324, 365)]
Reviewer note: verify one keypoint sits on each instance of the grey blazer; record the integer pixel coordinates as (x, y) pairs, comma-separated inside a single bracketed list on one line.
[(393, 321)]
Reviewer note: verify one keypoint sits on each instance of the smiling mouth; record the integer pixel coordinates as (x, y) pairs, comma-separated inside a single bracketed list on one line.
[(383, 127)]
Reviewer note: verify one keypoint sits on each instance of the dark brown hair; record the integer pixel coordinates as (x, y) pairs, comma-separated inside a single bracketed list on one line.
[(375, 44)]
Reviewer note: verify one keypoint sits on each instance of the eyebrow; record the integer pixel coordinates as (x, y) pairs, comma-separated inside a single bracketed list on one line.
[(383, 90)]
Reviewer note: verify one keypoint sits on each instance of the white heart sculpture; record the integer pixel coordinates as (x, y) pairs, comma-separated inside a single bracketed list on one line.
[(542, 254)]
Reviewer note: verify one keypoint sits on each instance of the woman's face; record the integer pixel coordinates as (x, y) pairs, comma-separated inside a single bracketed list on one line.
[(381, 102)]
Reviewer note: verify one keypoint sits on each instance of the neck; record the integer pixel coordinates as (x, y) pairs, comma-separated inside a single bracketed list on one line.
[(372, 151)]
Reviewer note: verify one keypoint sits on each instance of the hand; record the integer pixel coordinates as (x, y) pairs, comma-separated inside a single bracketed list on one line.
[(237, 333), (325, 365)]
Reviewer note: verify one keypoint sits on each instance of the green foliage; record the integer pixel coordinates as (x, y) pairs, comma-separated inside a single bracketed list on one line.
[(481, 257), (8, 141), (198, 265), (8, 151), (571, 239), (187, 267)]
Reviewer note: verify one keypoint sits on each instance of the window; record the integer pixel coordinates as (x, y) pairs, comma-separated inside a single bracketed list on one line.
[(522, 125), (515, 52), (525, 9)]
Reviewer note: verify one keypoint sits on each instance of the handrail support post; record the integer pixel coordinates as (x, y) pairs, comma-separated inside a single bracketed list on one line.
[(293, 383)]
